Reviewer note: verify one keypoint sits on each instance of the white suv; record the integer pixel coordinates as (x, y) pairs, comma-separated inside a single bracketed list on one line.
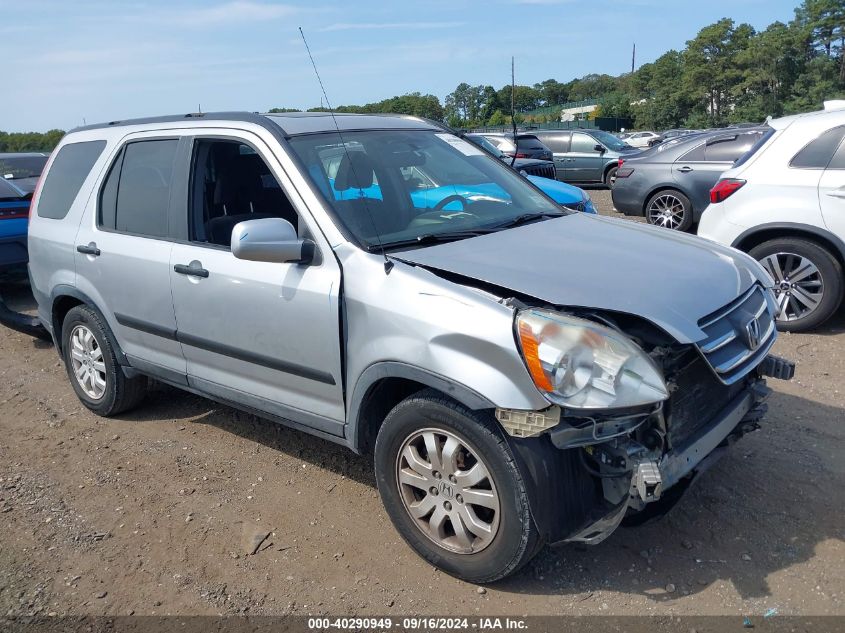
[(784, 204)]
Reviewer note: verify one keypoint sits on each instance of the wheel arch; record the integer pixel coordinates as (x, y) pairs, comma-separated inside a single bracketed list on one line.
[(64, 299), (665, 187), (757, 235), (385, 384)]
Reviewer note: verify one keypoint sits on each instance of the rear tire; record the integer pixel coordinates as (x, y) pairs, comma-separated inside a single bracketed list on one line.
[(92, 367), (808, 281), (610, 177), (455, 526), (670, 209)]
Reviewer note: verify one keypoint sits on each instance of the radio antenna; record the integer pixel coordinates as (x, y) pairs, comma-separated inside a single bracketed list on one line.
[(388, 265), (513, 114)]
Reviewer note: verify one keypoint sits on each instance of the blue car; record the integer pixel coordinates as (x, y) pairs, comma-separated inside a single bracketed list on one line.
[(19, 174), (14, 219)]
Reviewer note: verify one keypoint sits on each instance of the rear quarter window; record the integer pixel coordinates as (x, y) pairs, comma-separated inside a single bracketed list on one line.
[(818, 153), (64, 180)]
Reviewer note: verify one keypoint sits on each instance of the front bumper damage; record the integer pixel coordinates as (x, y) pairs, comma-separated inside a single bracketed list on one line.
[(640, 478)]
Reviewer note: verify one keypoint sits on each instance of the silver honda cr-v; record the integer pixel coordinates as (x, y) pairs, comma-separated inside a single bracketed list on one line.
[(522, 374)]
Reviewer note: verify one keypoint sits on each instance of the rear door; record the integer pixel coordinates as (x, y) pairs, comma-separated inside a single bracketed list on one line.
[(123, 250), (832, 191), (559, 144), (585, 161)]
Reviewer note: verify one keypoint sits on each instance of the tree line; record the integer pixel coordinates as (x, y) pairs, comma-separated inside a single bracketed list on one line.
[(728, 73)]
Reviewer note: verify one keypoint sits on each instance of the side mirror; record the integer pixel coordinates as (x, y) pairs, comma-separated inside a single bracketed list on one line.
[(270, 240), (599, 148)]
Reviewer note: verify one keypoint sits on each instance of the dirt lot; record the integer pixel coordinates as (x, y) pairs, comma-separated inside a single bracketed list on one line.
[(154, 512)]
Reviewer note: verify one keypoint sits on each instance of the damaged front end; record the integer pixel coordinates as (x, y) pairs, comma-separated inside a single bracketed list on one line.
[(636, 461)]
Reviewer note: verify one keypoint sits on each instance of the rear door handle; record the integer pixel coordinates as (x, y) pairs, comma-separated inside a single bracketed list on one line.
[(88, 249), (194, 269), (685, 169), (837, 193)]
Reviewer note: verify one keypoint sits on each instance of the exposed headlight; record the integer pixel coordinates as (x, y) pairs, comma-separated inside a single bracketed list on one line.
[(583, 365)]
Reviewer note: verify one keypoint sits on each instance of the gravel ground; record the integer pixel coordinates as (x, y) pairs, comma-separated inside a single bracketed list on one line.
[(157, 511)]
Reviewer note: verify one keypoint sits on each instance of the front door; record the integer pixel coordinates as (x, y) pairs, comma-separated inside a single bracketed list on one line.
[(123, 252), (585, 161), (266, 335), (558, 142)]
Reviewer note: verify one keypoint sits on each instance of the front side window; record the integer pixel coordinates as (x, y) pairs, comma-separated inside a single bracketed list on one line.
[(64, 180), (400, 186), (608, 140), (136, 195), (583, 144), (231, 183), (818, 153)]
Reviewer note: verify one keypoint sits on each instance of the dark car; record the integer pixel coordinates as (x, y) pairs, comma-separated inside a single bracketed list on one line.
[(526, 146), (23, 169), (525, 166), (670, 184), (585, 156)]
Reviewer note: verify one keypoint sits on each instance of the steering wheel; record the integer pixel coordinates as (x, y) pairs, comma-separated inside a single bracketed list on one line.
[(453, 198)]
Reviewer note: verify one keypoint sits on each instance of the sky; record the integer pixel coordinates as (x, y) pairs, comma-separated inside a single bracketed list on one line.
[(67, 62)]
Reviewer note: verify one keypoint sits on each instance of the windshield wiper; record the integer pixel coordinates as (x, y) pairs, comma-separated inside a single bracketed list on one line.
[(525, 218), (430, 238)]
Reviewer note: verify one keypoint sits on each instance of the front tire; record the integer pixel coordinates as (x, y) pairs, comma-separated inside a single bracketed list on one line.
[(453, 490), (670, 209), (92, 366), (808, 281)]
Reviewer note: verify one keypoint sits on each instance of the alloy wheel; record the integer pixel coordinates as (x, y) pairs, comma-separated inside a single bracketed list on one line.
[(86, 357), (799, 287), (666, 210), (448, 491)]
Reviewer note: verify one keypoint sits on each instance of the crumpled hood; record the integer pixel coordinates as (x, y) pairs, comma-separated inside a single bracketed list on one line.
[(671, 279)]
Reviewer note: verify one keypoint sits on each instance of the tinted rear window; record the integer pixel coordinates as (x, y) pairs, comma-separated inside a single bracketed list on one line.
[(529, 142), (758, 144), (817, 154), (729, 150), (69, 170), (136, 195)]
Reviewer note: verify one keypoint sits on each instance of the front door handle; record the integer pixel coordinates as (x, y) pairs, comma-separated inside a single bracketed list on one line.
[(194, 269), (837, 193), (88, 249), (685, 169)]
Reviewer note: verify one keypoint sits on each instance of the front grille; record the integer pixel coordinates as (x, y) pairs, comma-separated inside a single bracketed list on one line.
[(738, 335), (697, 397), (544, 171)]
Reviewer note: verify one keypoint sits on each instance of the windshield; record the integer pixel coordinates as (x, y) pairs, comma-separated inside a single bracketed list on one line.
[(398, 186), (608, 140), (15, 167)]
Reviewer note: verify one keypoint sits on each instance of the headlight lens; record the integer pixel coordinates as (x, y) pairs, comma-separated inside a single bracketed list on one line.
[(523, 172), (583, 365)]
